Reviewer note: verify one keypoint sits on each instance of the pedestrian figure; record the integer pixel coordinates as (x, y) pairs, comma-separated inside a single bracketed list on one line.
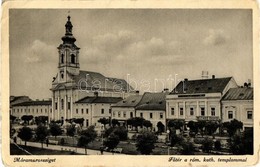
[(15, 139), (101, 150), (47, 142)]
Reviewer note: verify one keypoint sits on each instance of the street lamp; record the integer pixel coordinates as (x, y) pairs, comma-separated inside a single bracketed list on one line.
[(168, 137)]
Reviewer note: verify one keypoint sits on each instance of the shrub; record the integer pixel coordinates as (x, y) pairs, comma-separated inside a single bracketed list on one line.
[(207, 145), (199, 140), (217, 145), (186, 148), (62, 141)]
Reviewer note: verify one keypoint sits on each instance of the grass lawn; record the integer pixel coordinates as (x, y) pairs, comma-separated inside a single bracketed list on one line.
[(37, 151)]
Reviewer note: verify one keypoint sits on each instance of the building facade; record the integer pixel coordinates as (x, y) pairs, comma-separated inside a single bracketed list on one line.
[(34, 108), (238, 104), (198, 99)]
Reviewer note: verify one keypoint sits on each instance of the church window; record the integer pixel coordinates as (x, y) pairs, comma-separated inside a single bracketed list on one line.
[(62, 58), (68, 105), (73, 59), (62, 104), (62, 75)]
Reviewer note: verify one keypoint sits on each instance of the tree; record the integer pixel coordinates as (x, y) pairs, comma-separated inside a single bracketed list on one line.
[(41, 119), (25, 133), (86, 137), (211, 127), (71, 130), (176, 123), (186, 148), (12, 118), (175, 139), (145, 142), (41, 133), (241, 144), (160, 127), (193, 127), (136, 121), (115, 122), (79, 121), (207, 145), (201, 125), (217, 145), (121, 132), (112, 141), (233, 126), (55, 129), (147, 124), (104, 121), (27, 118)]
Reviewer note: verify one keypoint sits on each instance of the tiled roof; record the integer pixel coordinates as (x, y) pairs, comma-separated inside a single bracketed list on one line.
[(239, 94), (34, 103), (202, 86), (153, 101), (130, 101), (99, 99)]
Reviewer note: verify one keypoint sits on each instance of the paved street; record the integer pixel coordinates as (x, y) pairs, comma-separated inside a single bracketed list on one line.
[(65, 148)]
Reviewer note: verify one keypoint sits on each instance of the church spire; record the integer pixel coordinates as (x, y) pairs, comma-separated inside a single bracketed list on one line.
[(68, 38)]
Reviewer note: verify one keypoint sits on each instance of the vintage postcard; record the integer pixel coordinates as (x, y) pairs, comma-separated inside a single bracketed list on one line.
[(130, 83)]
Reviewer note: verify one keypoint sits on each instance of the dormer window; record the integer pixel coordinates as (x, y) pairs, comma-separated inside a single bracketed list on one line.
[(73, 58)]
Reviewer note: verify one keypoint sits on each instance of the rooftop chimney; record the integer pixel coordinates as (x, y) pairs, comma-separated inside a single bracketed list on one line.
[(204, 74)]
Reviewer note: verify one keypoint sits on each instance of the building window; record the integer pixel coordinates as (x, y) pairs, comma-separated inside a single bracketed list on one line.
[(37, 110), (141, 115), (73, 58), (119, 114), (161, 115), (191, 111), (41, 110), (151, 115), (18, 110), (86, 122), (202, 111), (56, 105), (77, 111), (82, 111), (114, 114), (45, 110), (131, 115), (33, 110), (249, 115), (124, 114), (181, 111), (110, 110), (50, 111), (102, 111), (68, 105), (213, 111), (172, 111), (62, 75), (230, 114), (62, 58), (62, 104), (86, 110)]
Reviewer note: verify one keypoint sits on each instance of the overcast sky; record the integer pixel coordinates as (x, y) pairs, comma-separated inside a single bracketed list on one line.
[(145, 44)]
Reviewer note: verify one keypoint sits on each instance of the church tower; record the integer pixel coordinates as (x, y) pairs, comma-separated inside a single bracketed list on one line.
[(68, 55)]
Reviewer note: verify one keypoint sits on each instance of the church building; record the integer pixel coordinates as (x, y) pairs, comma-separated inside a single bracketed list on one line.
[(72, 84)]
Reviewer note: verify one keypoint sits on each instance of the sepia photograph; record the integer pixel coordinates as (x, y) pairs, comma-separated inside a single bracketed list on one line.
[(131, 82)]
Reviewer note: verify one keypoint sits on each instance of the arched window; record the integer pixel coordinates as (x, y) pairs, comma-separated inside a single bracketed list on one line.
[(62, 58), (61, 75), (73, 59)]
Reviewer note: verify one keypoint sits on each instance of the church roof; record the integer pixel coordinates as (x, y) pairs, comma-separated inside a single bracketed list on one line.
[(153, 101), (239, 94), (88, 79), (130, 101), (216, 85), (99, 99)]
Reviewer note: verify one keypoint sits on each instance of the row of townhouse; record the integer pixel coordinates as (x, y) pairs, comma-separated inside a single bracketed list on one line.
[(216, 99)]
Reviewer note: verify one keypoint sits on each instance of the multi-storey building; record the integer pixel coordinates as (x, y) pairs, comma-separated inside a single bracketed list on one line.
[(92, 108), (198, 99), (34, 108), (237, 103), (125, 108)]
